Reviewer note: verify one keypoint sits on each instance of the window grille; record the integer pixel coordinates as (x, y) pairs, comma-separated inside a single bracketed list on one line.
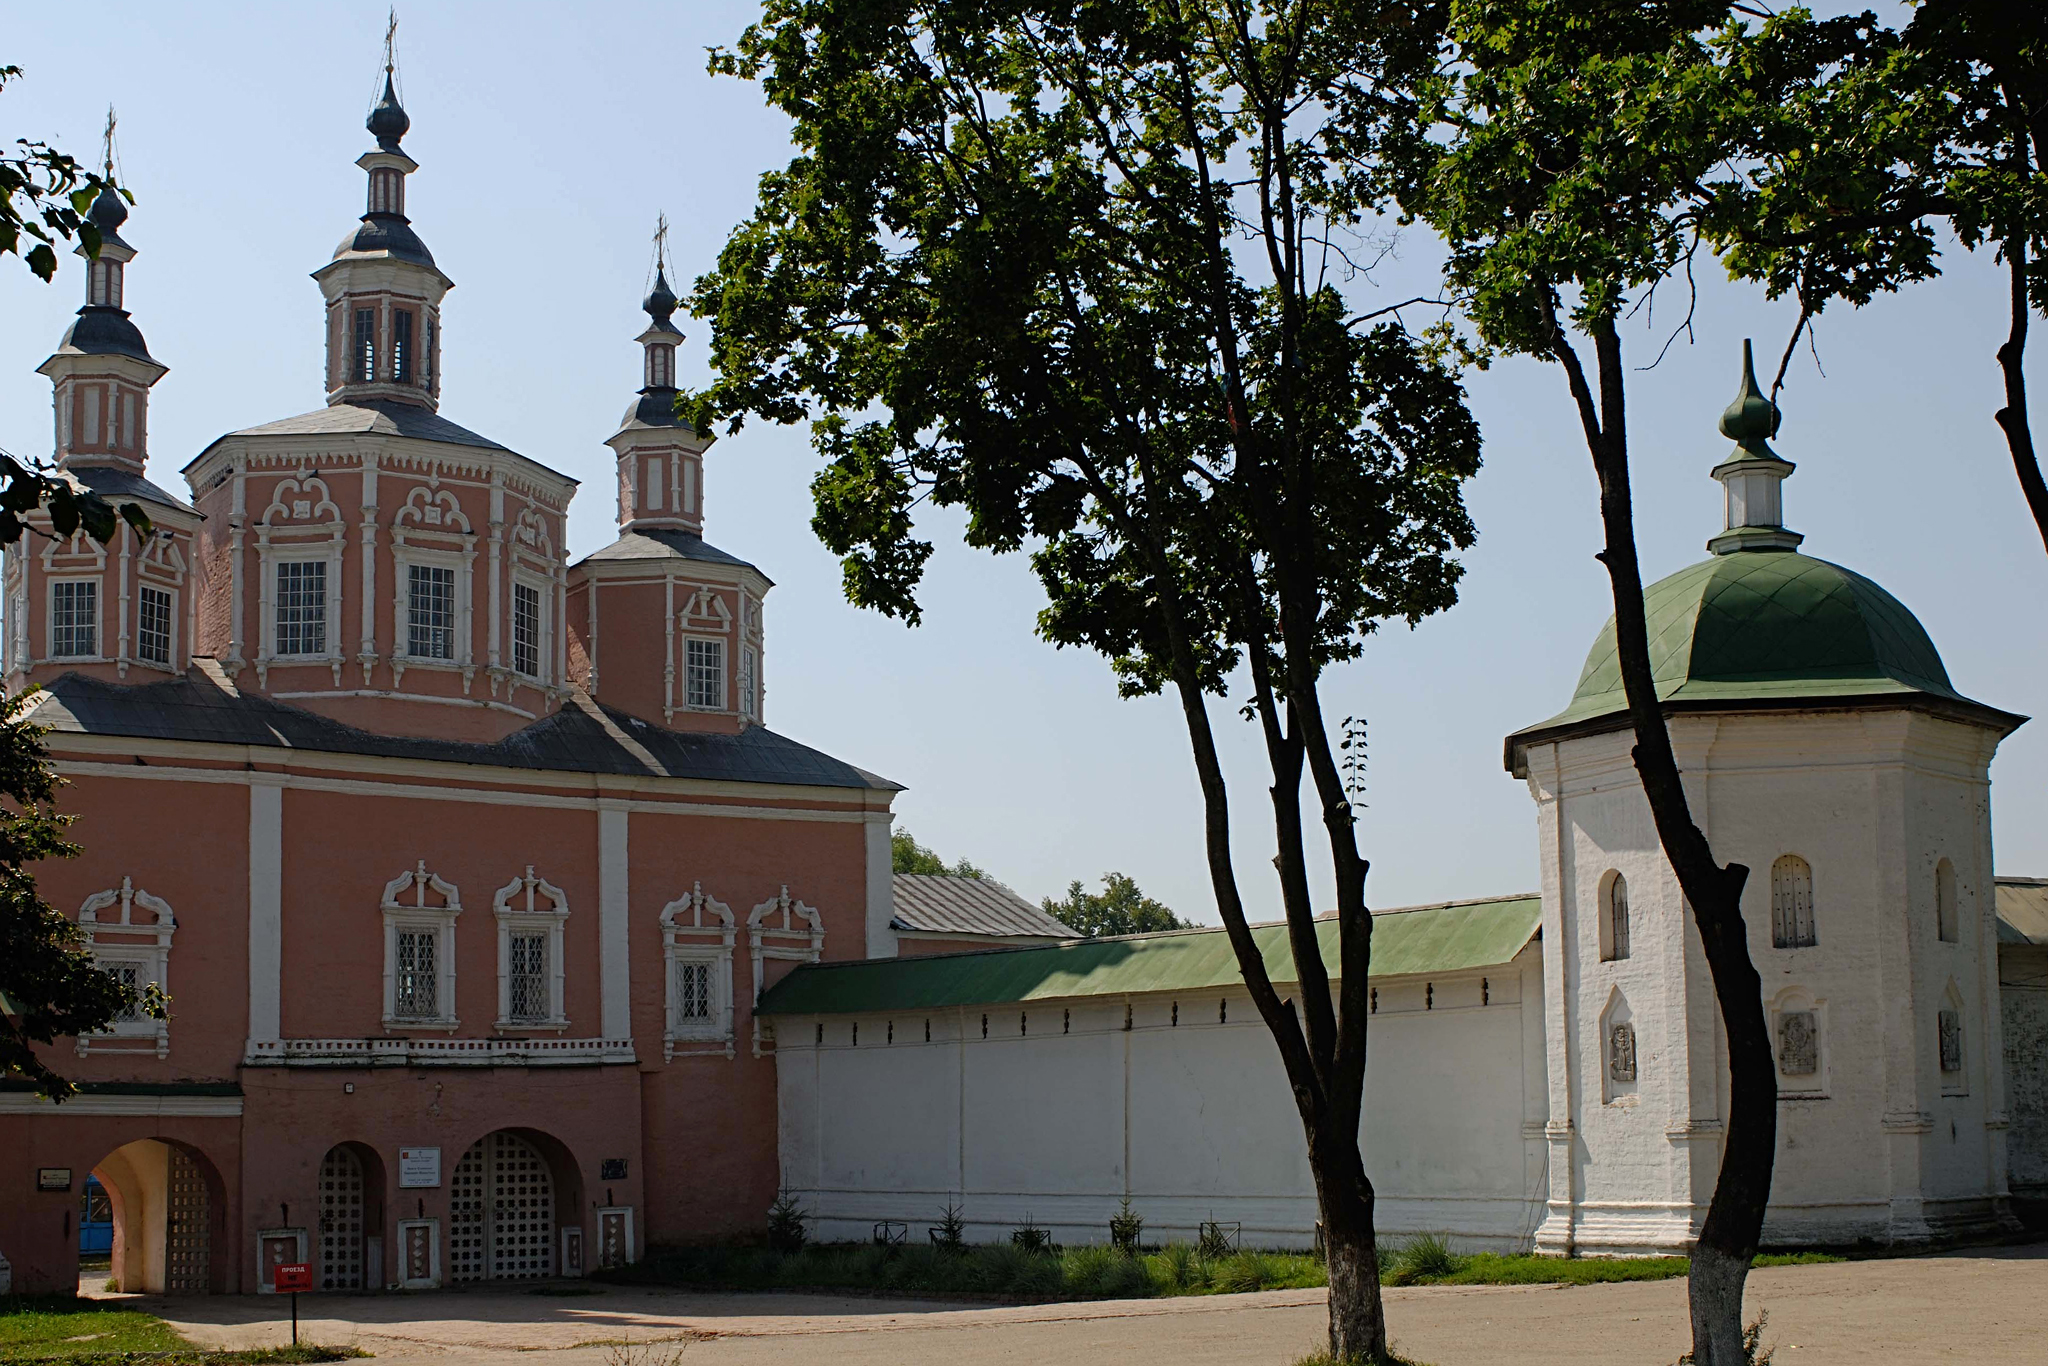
[(74, 618), (693, 991), (430, 611), (529, 980), (750, 696), (415, 994), (1792, 903), (128, 975), (363, 349), (1617, 918), (705, 674), (302, 607), (153, 627), (401, 346), (526, 629)]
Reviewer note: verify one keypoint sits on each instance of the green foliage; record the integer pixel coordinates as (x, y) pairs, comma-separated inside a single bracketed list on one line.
[(1126, 1226), (1119, 908), (908, 856), (786, 1231), (49, 986), (1031, 1238), (37, 1326), (1425, 1257), (44, 195), (950, 1234)]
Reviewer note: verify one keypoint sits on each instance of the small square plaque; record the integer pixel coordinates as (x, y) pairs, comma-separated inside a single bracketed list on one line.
[(611, 1169), (53, 1178)]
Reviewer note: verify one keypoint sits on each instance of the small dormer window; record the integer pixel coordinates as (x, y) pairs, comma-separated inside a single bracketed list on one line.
[(363, 347), (661, 366), (704, 674), (401, 346)]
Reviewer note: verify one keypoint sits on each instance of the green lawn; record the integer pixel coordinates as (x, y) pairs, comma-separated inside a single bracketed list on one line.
[(104, 1332), (1097, 1272)]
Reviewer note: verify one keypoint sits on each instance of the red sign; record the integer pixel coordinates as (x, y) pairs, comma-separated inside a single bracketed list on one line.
[(294, 1276)]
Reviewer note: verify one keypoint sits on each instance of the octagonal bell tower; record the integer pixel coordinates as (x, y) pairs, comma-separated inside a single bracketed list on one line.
[(1823, 746)]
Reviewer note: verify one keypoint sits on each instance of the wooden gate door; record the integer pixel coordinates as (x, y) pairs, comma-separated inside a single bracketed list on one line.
[(501, 1212), (341, 1220), (188, 1230)]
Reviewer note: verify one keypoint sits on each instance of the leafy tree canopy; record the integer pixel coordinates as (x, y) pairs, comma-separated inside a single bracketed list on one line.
[(908, 856), (1119, 908)]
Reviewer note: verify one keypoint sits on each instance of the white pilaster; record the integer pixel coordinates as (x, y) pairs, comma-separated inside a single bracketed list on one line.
[(613, 941), (266, 909), (881, 940)]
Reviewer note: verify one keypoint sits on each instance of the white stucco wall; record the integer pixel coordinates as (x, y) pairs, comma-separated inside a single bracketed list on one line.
[(1885, 1146), (2023, 977), (1060, 1112)]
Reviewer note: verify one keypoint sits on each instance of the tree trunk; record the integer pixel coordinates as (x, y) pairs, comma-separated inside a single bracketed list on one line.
[(1358, 1321), (2012, 418), (1728, 1239)]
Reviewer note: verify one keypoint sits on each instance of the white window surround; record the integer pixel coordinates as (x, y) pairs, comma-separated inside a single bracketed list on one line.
[(1614, 928), (405, 907), (300, 523), (143, 591), (784, 930), (431, 529), (124, 941), (96, 653), (718, 690), (544, 642), (524, 906), (160, 568), (696, 928)]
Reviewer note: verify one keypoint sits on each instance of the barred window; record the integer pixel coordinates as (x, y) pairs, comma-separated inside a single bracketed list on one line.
[(74, 618), (693, 990), (705, 674), (416, 981), (526, 629), (1792, 903), (302, 607), (430, 611), (129, 975), (529, 977), (363, 347), (401, 346), (153, 627)]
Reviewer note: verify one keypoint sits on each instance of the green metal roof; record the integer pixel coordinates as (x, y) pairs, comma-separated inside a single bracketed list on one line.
[(1766, 626), (1445, 938)]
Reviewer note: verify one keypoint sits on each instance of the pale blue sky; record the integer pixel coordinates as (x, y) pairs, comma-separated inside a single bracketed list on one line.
[(550, 136)]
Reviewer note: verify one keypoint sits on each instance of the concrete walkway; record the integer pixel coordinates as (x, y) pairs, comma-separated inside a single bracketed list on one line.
[(1988, 1306)]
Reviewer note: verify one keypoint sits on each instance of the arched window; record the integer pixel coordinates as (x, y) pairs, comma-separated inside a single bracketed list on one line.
[(1614, 919), (1792, 903), (1946, 922)]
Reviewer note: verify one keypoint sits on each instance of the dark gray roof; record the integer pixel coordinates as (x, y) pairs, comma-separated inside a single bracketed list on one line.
[(380, 416), (102, 331), (665, 544), (582, 737), (941, 904), (387, 232), (654, 408), (118, 486)]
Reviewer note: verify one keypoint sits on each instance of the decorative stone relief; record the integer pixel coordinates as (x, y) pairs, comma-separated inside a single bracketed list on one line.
[(1950, 1024), (1798, 1044), (1621, 1052)]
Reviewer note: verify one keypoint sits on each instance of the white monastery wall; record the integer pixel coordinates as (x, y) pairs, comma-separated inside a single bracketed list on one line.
[(2023, 987), (1060, 1111)]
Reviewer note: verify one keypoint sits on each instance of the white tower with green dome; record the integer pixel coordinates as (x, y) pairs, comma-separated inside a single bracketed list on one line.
[(1823, 746)]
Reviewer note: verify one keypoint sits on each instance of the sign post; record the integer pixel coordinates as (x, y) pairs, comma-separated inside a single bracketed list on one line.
[(294, 1276)]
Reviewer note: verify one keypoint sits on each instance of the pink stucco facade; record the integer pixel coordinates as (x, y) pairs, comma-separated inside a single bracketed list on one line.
[(461, 862)]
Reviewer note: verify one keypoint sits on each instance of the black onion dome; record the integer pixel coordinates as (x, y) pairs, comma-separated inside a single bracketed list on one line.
[(102, 331), (654, 408), (108, 212), (661, 301), (388, 122)]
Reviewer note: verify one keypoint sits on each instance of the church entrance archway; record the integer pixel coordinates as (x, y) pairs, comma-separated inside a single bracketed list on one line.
[(350, 1202), (165, 1203), (501, 1212)]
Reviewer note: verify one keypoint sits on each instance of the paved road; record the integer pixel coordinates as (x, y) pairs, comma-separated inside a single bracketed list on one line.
[(1982, 1307)]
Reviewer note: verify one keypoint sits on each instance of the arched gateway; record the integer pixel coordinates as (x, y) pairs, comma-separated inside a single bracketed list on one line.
[(501, 1212)]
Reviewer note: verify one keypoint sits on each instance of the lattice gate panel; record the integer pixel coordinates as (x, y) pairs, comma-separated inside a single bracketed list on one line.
[(341, 1221), (522, 1224), (188, 1242), (467, 1198)]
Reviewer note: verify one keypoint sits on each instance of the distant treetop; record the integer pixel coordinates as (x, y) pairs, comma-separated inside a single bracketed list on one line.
[(1119, 908), (908, 856)]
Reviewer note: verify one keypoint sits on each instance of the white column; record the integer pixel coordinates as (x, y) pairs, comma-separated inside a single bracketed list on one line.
[(881, 940), (614, 944), (266, 908)]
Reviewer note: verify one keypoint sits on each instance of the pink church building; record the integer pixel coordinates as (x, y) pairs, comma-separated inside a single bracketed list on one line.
[(462, 860)]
